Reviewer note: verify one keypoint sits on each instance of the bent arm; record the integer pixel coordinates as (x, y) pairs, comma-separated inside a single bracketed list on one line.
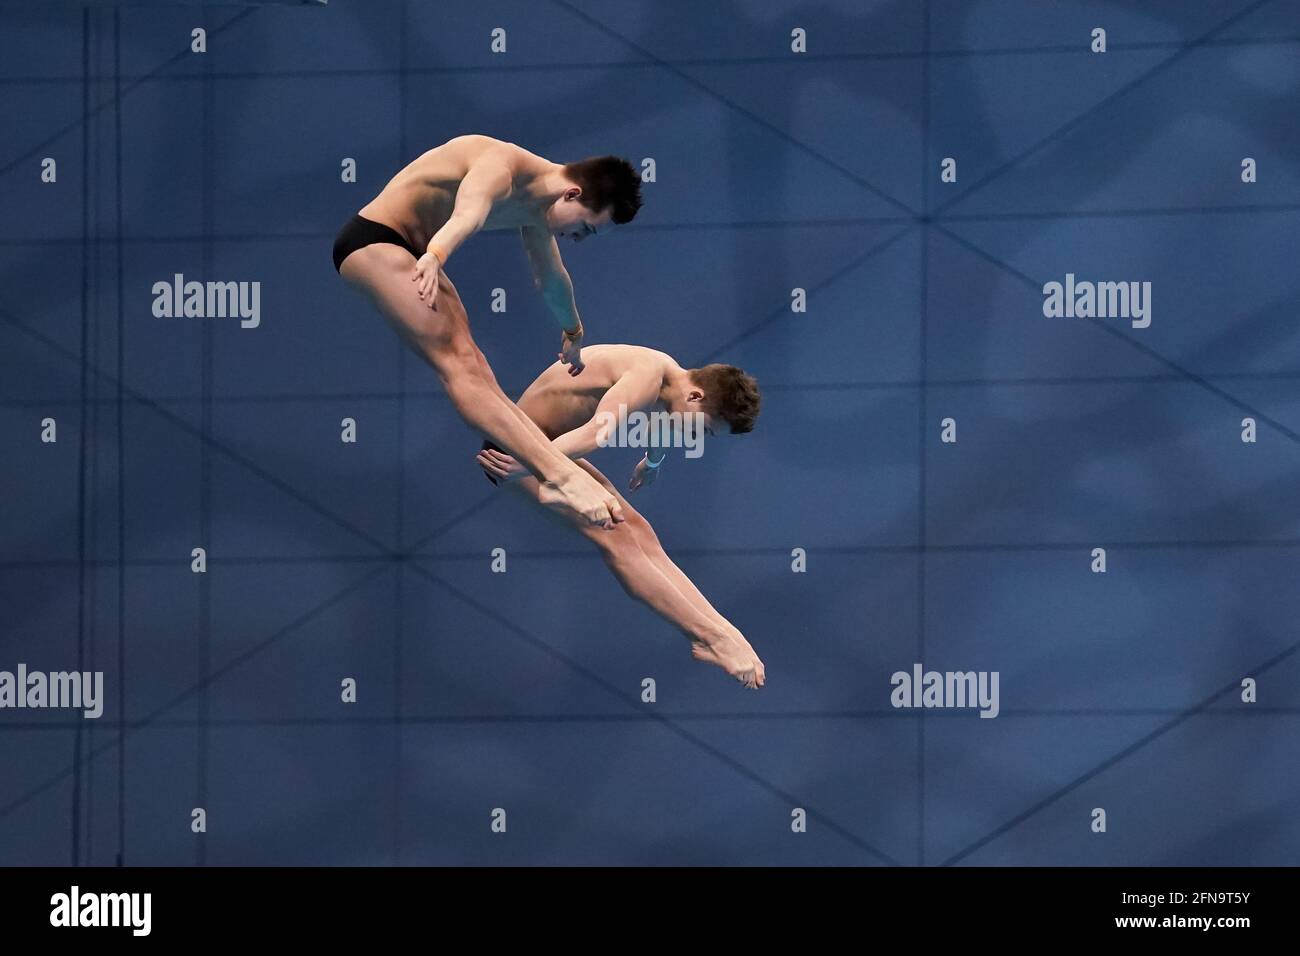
[(486, 183), (635, 390), (550, 277)]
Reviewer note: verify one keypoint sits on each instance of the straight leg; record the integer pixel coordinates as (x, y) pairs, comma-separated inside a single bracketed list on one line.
[(443, 339)]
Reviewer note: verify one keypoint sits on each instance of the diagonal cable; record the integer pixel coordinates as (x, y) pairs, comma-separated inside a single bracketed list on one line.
[(1088, 113), (1144, 349), (784, 310), (197, 433), (702, 745), (1112, 761), (189, 692), (731, 104), (115, 98)]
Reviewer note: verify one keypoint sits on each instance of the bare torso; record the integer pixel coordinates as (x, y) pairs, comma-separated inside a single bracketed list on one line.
[(419, 199), (559, 402)]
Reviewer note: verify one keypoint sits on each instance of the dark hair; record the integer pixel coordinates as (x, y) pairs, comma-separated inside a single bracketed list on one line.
[(730, 394), (607, 181)]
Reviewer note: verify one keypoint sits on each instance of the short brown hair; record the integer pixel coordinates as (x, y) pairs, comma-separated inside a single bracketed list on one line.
[(607, 181), (730, 394)]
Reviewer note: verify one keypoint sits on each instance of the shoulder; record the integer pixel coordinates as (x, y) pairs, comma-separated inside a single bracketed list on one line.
[(643, 361), (473, 141), (653, 358), (477, 149)]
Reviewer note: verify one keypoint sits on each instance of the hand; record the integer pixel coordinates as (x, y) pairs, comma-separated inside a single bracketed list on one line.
[(642, 474), (571, 350), (425, 276), (500, 465)]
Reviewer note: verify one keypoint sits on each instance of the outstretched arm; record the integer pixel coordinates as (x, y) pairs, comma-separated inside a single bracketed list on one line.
[(647, 469), (636, 389), (550, 277), (487, 182), (552, 280)]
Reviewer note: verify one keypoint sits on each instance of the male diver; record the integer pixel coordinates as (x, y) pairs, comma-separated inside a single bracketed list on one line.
[(396, 249), (581, 414)]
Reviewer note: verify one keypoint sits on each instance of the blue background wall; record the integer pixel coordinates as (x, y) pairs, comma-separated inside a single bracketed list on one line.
[(521, 690)]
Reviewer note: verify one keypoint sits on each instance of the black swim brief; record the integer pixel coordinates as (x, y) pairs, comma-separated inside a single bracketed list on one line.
[(360, 231)]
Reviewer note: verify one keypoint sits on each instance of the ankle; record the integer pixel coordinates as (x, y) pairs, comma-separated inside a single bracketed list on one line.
[(568, 477), (713, 634)]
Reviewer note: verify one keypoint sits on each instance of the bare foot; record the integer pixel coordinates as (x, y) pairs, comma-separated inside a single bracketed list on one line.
[(581, 494), (735, 656)]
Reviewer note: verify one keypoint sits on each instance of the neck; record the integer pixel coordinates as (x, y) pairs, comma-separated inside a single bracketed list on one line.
[(549, 186), (677, 382)]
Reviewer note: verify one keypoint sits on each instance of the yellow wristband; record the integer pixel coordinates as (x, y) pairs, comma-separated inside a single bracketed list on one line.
[(437, 254)]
